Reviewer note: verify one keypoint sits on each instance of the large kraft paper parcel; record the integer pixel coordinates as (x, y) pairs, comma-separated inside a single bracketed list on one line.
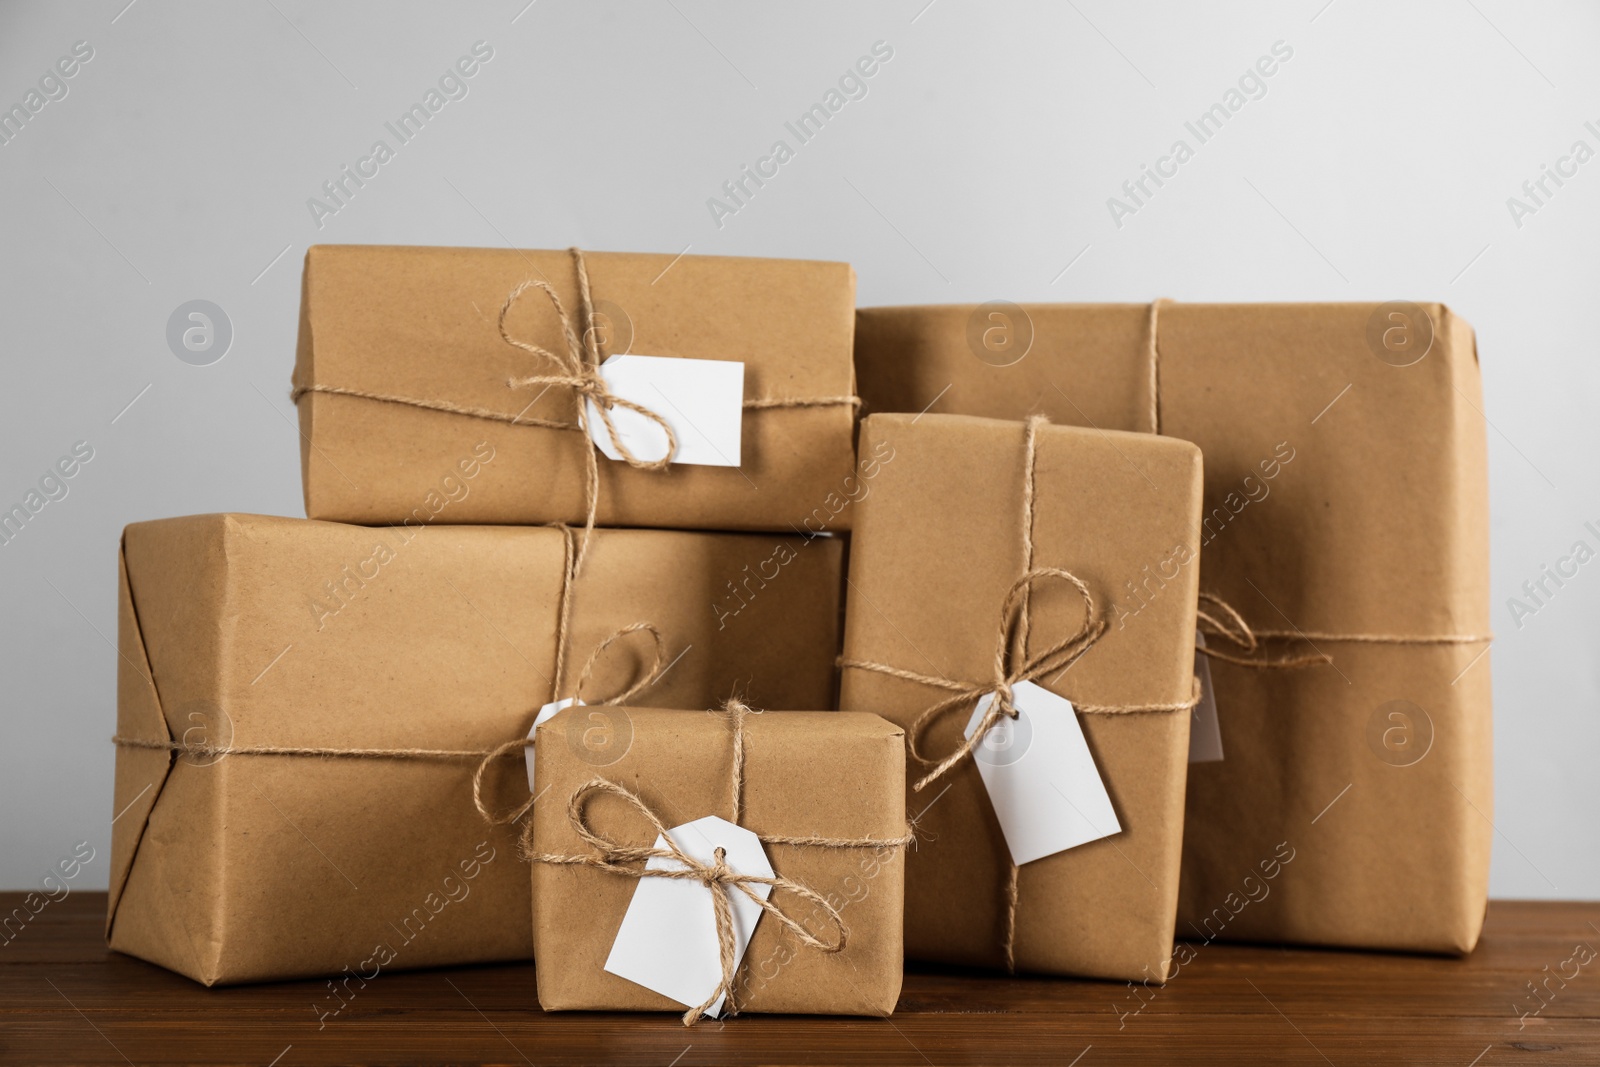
[(420, 325), (937, 545), (242, 632), (826, 775), (1345, 501)]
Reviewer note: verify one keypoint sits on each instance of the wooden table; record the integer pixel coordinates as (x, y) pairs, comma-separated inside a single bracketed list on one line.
[(65, 999)]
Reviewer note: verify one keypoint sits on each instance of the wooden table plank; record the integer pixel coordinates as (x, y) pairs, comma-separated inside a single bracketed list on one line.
[(65, 999)]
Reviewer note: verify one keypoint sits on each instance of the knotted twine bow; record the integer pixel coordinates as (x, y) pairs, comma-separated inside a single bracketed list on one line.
[(647, 679), (578, 369), (1013, 665), (658, 667), (718, 878)]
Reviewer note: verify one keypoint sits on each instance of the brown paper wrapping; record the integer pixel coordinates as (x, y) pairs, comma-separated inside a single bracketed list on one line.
[(1378, 525), (255, 867), (937, 544), (806, 774), (421, 323)]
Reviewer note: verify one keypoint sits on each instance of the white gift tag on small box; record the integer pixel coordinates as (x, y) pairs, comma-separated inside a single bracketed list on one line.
[(1041, 777), (546, 712), (668, 938), (701, 399), (1205, 733)]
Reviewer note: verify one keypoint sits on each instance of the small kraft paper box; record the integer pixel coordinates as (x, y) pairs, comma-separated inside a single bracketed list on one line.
[(1345, 529), (409, 356), (302, 706), (993, 554), (795, 820)]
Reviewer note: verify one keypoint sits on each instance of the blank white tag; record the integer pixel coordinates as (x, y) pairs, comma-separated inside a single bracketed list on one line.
[(546, 712), (668, 938), (1205, 733), (1041, 777), (701, 399)]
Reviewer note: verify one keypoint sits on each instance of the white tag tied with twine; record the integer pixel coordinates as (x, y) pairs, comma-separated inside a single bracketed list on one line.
[(1205, 732), (545, 713), (1040, 776), (701, 399), (668, 938)]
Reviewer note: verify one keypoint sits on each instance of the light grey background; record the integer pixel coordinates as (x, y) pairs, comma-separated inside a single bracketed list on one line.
[(179, 165)]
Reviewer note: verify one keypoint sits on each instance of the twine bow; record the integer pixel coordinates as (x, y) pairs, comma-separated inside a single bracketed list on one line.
[(718, 878), (578, 369), (644, 681), (1012, 665)]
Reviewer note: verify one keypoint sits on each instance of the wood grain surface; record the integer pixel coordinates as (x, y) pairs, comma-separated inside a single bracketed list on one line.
[(65, 999)]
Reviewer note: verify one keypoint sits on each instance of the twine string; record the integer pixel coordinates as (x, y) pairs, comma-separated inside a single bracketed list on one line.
[(1153, 352), (763, 403), (188, 748), (1223, 621)]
